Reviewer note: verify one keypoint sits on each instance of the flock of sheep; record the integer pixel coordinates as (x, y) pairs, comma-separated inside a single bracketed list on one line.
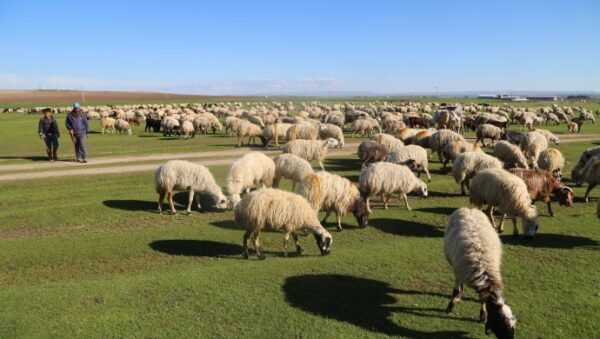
[(520, 169)]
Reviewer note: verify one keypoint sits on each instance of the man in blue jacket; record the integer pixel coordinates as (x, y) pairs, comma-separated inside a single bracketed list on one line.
[(77, 125)]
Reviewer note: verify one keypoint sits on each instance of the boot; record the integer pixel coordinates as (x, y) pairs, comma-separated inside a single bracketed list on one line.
[(55, 154)]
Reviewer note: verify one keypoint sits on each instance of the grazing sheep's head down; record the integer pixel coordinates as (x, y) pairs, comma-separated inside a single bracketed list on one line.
[(331, 142), (222, 202), (233, 200), (530, 227), (421, 188), (361, 212), (411, 164), (565, 196), (500, 320), (324, 241)]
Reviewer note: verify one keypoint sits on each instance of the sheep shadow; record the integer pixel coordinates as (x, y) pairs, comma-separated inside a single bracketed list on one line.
[(131, 205), (196, 248), (438, 210), (362, 302), (342, 164), (227, 224), (435, 194), (406, 228), (548, 240)]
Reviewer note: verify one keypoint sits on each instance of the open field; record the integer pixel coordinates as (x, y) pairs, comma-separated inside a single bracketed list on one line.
[(88, 255)]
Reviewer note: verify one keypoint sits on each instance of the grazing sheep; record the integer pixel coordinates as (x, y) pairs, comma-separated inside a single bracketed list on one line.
[(412, 152), (291, 167), (310, 150), (386, 178), (364, 126), (332, 193), (576, 172), (302, 130), (551, 117), (274, 209), (248, 171), (467, 164), (541, 184), (441, 138), (275, 132), (187, 129), (510, 154), (513, 137), (488, 131), (553, 161), (533, 144), (122, 126), (250, 130), (454, 148), (390, 142), (550, 137), (407, 135), (179, 175), (423, 138), (108, 124), (332, 131), (370, 151), (573, 127), (170, 126), (499, 188), (592, 177), (474, 251)]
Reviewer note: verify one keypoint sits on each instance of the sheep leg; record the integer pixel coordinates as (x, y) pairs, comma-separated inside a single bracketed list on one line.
[(190, 201), (490, 214), (161, 198), (427, 172), (286, 238), (587, 192), (514, 222), (246, 253), (170, 197), (457, 294), (321, 164), (548, 203), (256, 241), (276, 182), (462, 188), (368, 205), (339, 224), (299, 249), (482, 313), (405, 197), (385, 198), (326, 216)]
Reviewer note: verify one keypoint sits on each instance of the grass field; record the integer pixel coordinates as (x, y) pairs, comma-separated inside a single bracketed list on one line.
[(90, 257)]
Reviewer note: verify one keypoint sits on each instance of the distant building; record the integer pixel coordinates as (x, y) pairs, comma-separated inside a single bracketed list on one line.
[(542, 98), (488, 96), (583, 98)]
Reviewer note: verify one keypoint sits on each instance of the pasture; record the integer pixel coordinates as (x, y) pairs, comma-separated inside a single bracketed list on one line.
[(89, 256)]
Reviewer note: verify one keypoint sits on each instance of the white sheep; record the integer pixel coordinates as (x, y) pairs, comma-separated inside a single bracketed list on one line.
[(553, 161), (386, 178), (187, 129), (248, 171), (302, 130), (488, 131), (108, 124), (414, 152), (179, 175), (498, 188), (273, 209), (390, 142), (364, 126), (550, 137), (332, 193), (467, 164), (510, 154), (275, 132), (474, 251), (170, 126), (122, 126), (332, 131), (533, 144), (290, 167), (247, 129), (441, 138), (310, 150)]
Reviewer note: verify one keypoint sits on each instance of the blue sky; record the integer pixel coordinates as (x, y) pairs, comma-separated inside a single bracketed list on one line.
[(255, 47)]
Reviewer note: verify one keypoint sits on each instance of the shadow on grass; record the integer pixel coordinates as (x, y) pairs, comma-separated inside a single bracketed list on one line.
[(435, 194), (406, 228), (358, 301), (29, 157), (546, 240), (342, 164), (196, 248), (180, 200), (437, 210), (131, 205)]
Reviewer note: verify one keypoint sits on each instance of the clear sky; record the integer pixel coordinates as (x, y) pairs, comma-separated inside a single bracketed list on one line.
[(252, 47)]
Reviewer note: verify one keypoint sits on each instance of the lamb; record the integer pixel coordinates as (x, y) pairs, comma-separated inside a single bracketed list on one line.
[(576, 172), (592, 177), (250, 130), (488, 131), (414, 152), (510, 154), (541, 183), (179, 175), (108, 124), (332, 131), (390, 142), (553, 161), (499, 188), (386, 178), (302, 130), (533, 144), (474, 252), (310, 150), (370, 151), (332, 193), (246, 172), (274, 209), (291, 167), (187, 129), (467, 164), (573, 127)]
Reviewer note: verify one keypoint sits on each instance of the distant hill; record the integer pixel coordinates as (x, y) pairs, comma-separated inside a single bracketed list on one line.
[(67, 96)]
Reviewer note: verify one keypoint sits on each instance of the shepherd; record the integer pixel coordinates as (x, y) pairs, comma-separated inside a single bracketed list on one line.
[(49, 133), (77, 125)]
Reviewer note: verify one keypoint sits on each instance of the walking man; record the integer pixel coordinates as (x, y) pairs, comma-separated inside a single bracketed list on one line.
[(48, 130), (77, 125)]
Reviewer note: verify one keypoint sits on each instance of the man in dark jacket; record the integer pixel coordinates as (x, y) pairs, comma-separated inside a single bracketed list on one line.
[(48, 130), (77, 125)]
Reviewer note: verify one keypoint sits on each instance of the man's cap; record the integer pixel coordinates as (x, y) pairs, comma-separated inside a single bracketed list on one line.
[(76, 105), (46, 110)]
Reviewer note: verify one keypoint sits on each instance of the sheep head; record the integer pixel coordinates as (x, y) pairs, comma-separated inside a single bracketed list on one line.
[(361, 212), (324, 240), (565, 196), (500, 319)]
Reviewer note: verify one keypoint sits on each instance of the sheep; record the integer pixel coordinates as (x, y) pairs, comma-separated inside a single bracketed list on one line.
[(513, 137), (108, 124), (454, 148), (275, 132), (370, 151), (180, 175), (414, 152), (187, 129), (310, 150), (510, 154), (250, 130), (390, 142), (364, 126), (533, 144), (474, 251), (589, 153), (467, 164), (499, 188), (291, 167), (423, 138), (274, 209), (573, 127), (553, 161), (302, 130), (550, 137), (231, 124), (441, 138), (488, 131), (407, 135), (122, 126), (541, 183), (386, 178), (551, 117), (592, 177), (332, 131), (332, 193), (170, 126), (248, 171)]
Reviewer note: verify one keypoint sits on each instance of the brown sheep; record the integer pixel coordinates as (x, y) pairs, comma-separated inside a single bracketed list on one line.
[(371, 151), (541, 184)]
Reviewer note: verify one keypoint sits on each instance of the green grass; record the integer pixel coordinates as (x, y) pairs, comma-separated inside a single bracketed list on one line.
[(89, 257)]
